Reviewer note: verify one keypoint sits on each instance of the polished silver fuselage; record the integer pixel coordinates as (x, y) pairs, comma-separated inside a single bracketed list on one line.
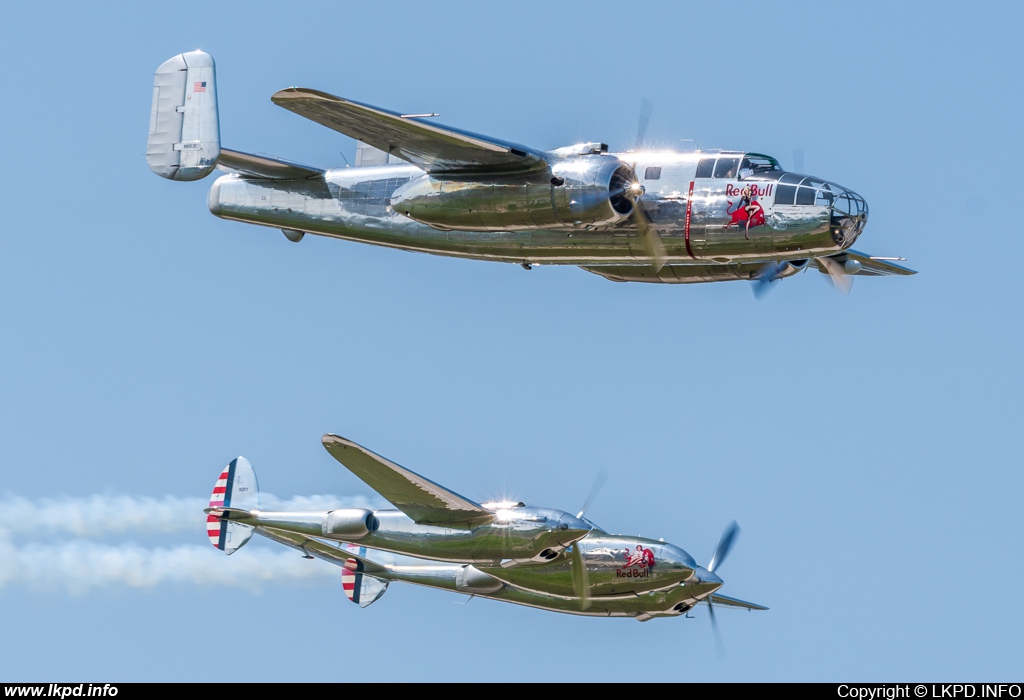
[(526, 218), (521, 558)]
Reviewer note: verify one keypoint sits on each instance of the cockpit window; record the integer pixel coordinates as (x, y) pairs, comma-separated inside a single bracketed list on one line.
[(792, 178), (761, 163), (653, 173), (705, 166), (805, 195), (727, 168), (785, 194)]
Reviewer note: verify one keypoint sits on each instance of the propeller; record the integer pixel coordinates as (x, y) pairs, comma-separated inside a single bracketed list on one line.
[(649, 236), (842, 281), (841, 274), (580, 580), (599, 479), (768, 273), (719, 644), (651, 239), (725, 544), (646, 108)]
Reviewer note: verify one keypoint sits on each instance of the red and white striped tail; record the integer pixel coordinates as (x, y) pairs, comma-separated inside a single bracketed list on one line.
[(361, 588), (236, 487)]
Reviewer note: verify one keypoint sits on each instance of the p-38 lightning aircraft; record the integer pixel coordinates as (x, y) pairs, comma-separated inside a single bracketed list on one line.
[(638, 216), (539, 557)]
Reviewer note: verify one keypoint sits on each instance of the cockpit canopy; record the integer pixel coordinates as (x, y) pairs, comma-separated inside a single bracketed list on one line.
[(736, 166)]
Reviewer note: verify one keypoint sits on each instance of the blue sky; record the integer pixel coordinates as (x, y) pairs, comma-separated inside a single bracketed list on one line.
[(868, 445)]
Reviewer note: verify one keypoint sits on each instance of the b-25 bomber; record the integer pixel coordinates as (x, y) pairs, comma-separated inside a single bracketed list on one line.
[(539, 557), (636, 216)]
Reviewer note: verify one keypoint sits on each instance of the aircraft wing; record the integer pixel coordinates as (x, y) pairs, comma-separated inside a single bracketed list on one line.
[(431, 146), (418, 497), (735, 603), (871, 266)]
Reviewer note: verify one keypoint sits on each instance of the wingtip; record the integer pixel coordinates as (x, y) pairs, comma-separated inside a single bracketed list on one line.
[(331, 440), (294, 91)]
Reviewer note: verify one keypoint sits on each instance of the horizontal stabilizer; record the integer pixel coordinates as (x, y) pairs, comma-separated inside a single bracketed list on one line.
[(416, 496), (264, 167), (431, 146), (735, 603)]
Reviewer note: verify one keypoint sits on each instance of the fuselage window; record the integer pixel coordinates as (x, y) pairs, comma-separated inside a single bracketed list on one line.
[(727, 168), (805, 195), (653, 173), (705, 167), (785, 194)]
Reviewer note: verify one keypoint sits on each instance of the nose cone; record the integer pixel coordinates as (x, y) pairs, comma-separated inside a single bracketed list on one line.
[(570, 529), (708, 579), (848, 214), (569, 535)]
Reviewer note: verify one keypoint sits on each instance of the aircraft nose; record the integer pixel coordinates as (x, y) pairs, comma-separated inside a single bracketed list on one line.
[(705, 576), (848, 213), (568, 535)]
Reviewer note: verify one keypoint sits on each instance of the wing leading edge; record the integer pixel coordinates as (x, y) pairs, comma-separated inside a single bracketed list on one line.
[(433, 147), (735, 602), (418, 497)]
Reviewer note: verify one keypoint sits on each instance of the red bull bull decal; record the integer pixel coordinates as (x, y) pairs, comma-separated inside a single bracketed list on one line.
[(639, 563)]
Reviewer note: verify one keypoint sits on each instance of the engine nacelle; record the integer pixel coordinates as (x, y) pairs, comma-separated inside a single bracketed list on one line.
[(348, 523), (588, 190), (469, 579)]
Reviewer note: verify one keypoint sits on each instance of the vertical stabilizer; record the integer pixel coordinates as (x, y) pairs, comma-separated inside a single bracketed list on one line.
[(361, 588), (236, 488), (184, 126)]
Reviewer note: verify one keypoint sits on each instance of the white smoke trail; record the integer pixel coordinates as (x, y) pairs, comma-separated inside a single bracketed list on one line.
[(98, 515), (79, 566)]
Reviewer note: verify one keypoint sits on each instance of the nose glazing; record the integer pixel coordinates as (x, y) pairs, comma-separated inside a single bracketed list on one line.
[(848, 213)]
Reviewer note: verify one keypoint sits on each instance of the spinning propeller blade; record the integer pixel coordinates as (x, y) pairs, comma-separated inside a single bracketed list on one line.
[(724, 545), (602, 476), (580, 580), (768, 274), (719, 644), (649, 236), (842, 281), (646, 108)]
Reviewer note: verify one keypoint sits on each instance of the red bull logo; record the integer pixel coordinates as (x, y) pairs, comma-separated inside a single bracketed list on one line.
[(752, 190), (639, 563)]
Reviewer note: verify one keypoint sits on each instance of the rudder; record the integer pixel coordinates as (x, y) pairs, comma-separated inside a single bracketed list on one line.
[(361, 588)]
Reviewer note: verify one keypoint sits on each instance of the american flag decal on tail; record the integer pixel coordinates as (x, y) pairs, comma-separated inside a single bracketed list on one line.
[(199, 86)]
